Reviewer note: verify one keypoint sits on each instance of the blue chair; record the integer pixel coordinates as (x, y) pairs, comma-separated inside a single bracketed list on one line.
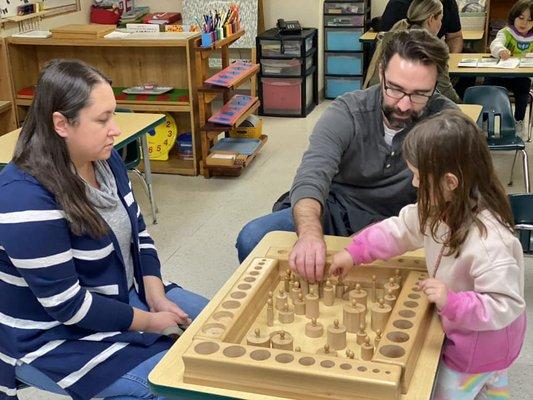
[(502, 136), (522, 206)]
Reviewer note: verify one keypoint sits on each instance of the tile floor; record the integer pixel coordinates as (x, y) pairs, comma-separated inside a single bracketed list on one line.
[(199, 220)]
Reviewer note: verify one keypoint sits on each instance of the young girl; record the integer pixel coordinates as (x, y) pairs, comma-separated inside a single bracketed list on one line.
[(515, 40), (475, 264)]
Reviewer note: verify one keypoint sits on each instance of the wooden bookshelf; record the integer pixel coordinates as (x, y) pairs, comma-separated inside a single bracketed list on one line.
[(7, 110), (209, 132), (127, 62)]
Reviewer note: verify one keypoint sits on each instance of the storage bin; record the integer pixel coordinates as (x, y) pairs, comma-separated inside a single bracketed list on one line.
[(343, 39), (344, 64), (351, 7), (292, 48), (335, 86), (283, 96), (344, 20), (292, 66)]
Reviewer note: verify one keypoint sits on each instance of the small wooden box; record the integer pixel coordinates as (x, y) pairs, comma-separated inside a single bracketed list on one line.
[(253, 132), (224, 159), (81, 31)]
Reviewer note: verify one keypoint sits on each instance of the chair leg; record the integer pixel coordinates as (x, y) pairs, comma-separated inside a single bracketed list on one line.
[(510, 183), (143, 184), (526, 170)]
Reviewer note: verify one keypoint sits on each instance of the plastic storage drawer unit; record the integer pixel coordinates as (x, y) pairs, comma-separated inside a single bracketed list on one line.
[(292, 66), (335, 86), (344, 20), (343, 39), (283, 96), (344, 8), (291, 48), (344, 64)]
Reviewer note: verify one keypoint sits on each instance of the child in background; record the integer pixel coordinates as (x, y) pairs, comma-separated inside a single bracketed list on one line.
[(515, 40), (475, 264)]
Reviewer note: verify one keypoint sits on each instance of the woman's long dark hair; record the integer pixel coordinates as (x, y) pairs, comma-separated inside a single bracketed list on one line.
[(64, 86), (450, 142)]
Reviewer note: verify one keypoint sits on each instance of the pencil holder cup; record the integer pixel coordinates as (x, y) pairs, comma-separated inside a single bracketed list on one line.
[(207, 39)]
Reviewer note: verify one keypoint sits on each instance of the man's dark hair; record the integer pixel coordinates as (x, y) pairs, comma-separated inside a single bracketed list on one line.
[(518, 8), (416, 45)]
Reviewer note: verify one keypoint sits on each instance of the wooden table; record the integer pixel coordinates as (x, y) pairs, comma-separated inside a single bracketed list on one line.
[(132, 127), (469, 36), (472, 110), (167, 377), (454, 70)]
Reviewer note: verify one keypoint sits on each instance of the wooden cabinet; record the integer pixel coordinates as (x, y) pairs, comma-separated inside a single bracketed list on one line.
[(496, 9), (127, 62)]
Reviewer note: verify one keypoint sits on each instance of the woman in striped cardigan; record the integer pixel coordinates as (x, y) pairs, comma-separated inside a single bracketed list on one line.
[(82, 303)]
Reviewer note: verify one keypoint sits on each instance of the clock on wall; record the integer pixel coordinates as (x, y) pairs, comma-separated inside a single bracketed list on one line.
[(160, 143)]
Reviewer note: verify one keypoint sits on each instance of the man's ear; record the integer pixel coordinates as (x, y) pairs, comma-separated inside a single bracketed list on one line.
[(451, 181), (60, 124)]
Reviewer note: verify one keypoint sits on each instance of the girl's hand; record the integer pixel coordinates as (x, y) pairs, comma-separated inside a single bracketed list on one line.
[(505, 54), (342, 263), (436, 291)]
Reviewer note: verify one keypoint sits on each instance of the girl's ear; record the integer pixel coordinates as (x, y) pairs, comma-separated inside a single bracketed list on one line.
[(60, 124), (451, 181)]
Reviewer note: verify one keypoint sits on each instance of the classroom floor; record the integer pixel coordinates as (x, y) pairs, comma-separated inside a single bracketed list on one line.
[(199, 220)]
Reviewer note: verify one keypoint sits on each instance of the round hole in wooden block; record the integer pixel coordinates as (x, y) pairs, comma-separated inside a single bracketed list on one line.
[(261, 263), (282, 251), (421, 278), (234, 351), (249, 279), (346, 367), (244, 286), (284, 358), (238, 295), (223, 316), (401, 260), (415, 289), (376, 371), (259, 268), (387, 372), (417, 261), (410, 304), (361, 369), (254, 273), (327, 364), (392, 351), (206, 348), (407, 313), (264, 259), (414, 296), (402, 324), (230, 304), (306, 361), (398, 337), (260, 355), (213, 329)]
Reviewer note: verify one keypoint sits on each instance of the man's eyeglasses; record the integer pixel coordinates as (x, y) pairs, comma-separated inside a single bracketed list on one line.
[(397, 94)]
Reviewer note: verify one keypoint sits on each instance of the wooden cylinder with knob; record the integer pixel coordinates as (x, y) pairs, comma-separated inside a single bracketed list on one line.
[(336, 337), (379, 315), (281, 340), (299, 305), (353, 316), (367, 350), (359, 295), (392, 286), (314, 329), (390, 298), (329, 294), (270, 312), (311, 304), (280, 299), (295, 290), (255, 338), (327, 351), (286, 315)]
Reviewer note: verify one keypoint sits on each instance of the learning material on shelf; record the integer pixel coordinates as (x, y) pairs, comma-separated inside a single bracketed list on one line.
[(489, 62), (33, 34), (228, 76), (233, 110)]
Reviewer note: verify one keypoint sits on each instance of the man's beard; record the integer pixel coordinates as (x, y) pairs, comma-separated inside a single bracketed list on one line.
[(411, 117)]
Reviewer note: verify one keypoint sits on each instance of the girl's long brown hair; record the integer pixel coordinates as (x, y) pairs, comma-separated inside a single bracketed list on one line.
[(450, 142)]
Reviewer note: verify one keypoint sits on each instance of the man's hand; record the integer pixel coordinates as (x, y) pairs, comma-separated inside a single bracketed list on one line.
[(308, 257), (436, 291), (342, 263), (505, 54)]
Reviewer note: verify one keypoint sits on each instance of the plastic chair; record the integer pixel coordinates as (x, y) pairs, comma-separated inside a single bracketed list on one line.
[(131, 155), (496, 106), (522, 206)]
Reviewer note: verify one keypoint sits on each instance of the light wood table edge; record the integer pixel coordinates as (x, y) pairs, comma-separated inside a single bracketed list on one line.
[(473, 111), (167, 377)]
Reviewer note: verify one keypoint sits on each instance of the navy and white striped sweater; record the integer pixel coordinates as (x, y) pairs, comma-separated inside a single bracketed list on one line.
[(64, 298)]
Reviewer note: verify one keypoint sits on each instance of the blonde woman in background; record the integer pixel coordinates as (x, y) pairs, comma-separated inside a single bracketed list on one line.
[(422, 14)]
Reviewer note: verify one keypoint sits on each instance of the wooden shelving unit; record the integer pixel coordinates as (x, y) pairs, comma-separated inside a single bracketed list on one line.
[(127, 62), (209, 132), (496, 9), (7, 111)]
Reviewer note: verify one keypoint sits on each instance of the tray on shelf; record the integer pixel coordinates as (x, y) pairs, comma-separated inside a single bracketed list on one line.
[(156, 90)]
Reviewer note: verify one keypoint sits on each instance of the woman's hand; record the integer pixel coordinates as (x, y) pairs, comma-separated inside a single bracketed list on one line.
[(436, 291), (164, 305), (342, 263), (505, 54)]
